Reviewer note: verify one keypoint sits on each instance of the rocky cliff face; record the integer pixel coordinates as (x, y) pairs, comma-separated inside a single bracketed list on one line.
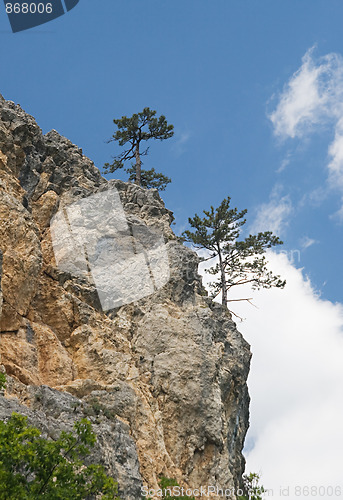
[(162, 378)]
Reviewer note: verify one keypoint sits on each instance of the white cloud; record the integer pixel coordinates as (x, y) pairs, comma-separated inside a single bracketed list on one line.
[(313, 98), (304, 99), (295, 383), (273, 215), (310, 97)]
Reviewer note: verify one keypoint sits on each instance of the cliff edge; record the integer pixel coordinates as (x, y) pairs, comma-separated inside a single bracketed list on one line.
[(162, 378)]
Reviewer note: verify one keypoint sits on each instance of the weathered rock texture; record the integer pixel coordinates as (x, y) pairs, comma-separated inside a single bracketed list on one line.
[(162, 379)]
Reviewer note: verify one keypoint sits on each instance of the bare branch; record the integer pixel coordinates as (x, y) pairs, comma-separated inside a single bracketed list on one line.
[(248, 300), (236, 315)]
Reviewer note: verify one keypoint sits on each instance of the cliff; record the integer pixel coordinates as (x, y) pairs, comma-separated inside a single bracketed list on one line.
[(161, 375)]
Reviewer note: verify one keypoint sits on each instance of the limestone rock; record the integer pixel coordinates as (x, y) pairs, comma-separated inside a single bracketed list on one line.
[(162, 377)]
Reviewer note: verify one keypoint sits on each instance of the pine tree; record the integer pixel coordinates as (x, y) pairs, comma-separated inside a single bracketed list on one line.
[(239, 262), (149, 178), (141, 127)]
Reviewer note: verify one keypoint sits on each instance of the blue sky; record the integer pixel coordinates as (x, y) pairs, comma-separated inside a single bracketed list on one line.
[(213, 71), (255, 100)]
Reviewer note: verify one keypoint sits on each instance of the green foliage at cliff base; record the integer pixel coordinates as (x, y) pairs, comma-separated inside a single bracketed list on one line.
[(32, 467)]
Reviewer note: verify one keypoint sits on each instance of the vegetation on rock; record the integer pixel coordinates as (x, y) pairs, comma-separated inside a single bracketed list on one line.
[(254, 491), (2, 381), (131, 133), (168, 486), (33, 467)]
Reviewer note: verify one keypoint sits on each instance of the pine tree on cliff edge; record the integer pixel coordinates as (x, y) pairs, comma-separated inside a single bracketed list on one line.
[(239, 262), (131, 133)]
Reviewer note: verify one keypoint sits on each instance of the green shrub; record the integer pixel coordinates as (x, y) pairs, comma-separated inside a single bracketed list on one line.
[(254, 491), (2, 381), (32, 467), (95, 408)]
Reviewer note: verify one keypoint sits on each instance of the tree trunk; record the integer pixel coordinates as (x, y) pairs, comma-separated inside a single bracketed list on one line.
[(138, 165), (222, 279)]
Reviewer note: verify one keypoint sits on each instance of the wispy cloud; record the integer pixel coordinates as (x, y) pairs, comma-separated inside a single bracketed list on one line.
[(335, 166), (338, 216), (274, 215), (307, 242), (285, 162), (179, 146), (314, 198), (312, 99)]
